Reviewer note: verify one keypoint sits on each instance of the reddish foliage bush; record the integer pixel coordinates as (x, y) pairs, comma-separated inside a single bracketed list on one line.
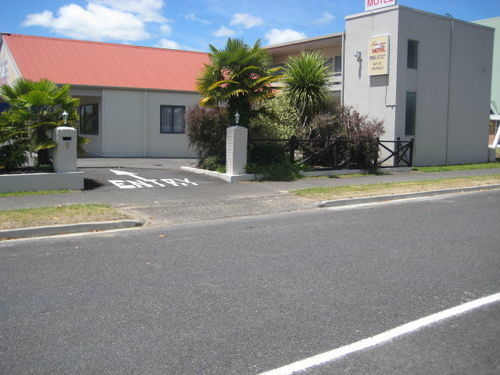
[(356, 135), (206, 131)]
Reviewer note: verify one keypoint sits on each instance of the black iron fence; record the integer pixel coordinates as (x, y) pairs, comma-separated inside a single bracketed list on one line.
[(326, 154)]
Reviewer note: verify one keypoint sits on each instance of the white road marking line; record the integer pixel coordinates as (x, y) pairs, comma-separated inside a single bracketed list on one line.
[(383, 337)]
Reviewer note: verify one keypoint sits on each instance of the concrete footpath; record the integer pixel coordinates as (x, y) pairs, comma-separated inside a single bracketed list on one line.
[(210, 200)]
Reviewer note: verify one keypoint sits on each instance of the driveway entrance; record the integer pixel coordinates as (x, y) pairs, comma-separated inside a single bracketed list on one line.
[(105, 174)]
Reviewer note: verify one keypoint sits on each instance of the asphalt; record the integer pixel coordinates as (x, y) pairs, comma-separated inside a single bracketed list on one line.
[(201, 198), (243, 296)]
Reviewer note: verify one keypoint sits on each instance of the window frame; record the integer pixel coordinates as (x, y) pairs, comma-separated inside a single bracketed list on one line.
[(412, 54), (84, 122), (165, 129)]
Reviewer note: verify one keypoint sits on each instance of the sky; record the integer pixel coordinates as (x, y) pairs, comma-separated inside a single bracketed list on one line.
[(194, 24)]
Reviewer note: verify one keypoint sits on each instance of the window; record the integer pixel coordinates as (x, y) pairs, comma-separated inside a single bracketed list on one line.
[(89, 119), (412, 54), (337, 66), (172, 119), (411, 113), (329, 63)]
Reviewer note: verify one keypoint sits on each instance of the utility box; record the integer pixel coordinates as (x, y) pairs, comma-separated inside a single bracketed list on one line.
[(64, 155)]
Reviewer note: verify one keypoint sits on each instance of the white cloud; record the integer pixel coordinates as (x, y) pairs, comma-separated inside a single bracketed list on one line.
[(224, 32), (276, 36), (95, 22), (246, 20), (146, 10), (39, 19), (166, 28), (325, 18), (193, 17), (172, 44), (122, 20)]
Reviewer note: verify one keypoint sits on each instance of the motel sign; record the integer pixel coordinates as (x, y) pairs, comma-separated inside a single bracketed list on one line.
[(375, 4)]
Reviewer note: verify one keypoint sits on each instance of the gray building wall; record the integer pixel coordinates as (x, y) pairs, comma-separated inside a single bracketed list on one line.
[(452, 81), (495, 81), (373, 96), (129, 123)]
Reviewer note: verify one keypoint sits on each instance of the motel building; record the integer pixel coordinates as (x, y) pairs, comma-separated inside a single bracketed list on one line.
[(427, 76)]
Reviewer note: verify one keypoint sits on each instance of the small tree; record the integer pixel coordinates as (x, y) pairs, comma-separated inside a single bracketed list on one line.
[(206, 131), (34, 109), (239, 77), (278, 118), (306, 78)]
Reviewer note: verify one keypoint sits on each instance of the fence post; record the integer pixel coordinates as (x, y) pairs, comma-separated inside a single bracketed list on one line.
[(411, 151), (375, 151), (397, 151)]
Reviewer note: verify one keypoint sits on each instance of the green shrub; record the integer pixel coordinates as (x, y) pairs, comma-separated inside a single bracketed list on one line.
[(212, 164), (283, 171), (267, 153), (14, 155), (34, 109), (277, 119)]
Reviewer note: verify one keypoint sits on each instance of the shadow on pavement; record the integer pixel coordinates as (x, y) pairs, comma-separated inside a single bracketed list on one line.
[(90, 184)]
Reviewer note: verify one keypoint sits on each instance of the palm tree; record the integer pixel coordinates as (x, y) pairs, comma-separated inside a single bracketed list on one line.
[(35, 108), (238, 76), (306, 78)]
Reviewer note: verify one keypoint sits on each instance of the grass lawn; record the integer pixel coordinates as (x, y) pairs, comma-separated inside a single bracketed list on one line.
[(78, 213), (356, 191), (41, 192), (460, 167)]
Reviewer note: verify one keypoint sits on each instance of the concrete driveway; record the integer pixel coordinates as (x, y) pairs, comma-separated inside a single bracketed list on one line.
[(145, 163)]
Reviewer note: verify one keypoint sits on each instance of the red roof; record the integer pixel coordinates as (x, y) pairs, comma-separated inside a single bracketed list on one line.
[(104, 64)]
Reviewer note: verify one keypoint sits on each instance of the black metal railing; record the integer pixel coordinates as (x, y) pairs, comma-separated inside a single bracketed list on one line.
[(401, 152), (325, 154)]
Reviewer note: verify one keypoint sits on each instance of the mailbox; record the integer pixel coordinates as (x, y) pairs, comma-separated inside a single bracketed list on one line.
[(64, 155)]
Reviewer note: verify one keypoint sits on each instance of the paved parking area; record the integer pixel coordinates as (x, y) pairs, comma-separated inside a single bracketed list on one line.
[(119, 178)]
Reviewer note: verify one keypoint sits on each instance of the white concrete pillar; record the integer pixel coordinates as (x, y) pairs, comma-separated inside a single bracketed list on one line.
[(236, 150), (64, 155)]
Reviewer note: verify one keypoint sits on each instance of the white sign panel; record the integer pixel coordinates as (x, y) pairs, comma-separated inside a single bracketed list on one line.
[(378, 56), (375, 4)]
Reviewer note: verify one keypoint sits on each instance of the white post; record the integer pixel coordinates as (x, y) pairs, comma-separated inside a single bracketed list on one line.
[(64, 156), (236, 150)]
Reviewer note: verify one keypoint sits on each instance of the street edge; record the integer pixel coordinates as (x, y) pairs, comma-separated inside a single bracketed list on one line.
[(385, 198), (67, 229)]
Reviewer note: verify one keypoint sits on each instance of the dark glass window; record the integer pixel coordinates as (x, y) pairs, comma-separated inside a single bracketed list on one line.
[(411, 113), (89, 119), (329, 63), (337, 65), (172, 119), (412, 54)]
